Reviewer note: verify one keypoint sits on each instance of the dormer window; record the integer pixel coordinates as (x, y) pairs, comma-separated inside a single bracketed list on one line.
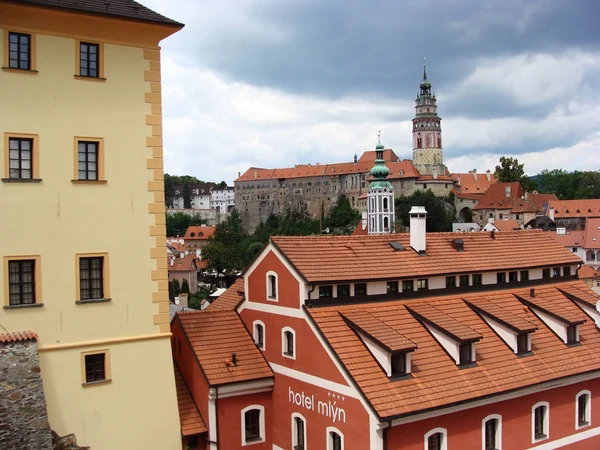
[(399, 366), (343, 290), (466, 353), (392, 287), (572, 334), (325, 291), (407, 285)]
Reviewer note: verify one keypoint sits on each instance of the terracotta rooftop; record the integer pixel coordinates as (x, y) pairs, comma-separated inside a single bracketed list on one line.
[(201, 232), (588, 272), (230, 298), (507, 225), (551, 301), (575, 208), (570, 239), (470, 186), (388, 155), (400, 170), (374, 328), (443, 322), (17, 336), (125, 9), (515, 319), (495, 198), (185, 264), (214, 336), (189, 416), (343, 258), (436, 380), (592, 234)]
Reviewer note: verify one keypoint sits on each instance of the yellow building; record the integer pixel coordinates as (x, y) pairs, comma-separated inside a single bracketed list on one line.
[(82, 224)]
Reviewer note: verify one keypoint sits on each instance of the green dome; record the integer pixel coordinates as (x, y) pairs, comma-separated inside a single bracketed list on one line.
[(379, 146), (380, 170)]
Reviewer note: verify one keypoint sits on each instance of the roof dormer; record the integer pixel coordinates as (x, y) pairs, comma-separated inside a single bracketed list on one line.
[(559, 318), (456, 338), (391, 349), (515, 331)]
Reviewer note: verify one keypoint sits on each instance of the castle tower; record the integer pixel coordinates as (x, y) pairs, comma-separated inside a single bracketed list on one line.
[(380, 207), (427, 132)]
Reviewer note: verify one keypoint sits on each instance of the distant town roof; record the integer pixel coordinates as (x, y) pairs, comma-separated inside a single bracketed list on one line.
[(575, 208), (200, 232)]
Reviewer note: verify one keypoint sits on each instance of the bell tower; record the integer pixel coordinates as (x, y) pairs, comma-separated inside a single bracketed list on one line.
[(427, 131), (380, 207)]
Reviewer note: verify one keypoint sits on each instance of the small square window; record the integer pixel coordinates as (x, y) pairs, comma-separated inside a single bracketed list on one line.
[(407, 286), (556, 271), (463, 280), (360, 289), (451, 281), (422, 284), (392, 287), (512, 277), (325, 291), (524, 275), (343, 290), (477, 279), (501, 277), (545, 273), (399, 365), (572, 335), (96, 366)]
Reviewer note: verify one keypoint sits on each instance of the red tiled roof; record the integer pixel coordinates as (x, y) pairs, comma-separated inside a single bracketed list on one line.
[(470, 186), (552, 301), (507, 225), (570, 239), (214, 336), (185, 264), (592, 234), (513, 319), (199, 232), (443, 322), (189, 416), (401, 169), (436, 380), (127, 9), (17, 336), (581, 292), (229, 299), (495, 198), (587, 272), (338, 258), (575, 208), (374, 328), (388, 156)]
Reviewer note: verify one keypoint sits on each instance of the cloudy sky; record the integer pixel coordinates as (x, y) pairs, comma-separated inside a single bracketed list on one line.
[(273, 83)]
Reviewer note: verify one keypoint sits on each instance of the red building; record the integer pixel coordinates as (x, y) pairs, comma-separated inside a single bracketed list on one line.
[(475, 341)]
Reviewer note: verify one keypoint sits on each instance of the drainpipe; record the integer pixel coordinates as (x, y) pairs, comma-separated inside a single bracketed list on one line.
[(310, 292)]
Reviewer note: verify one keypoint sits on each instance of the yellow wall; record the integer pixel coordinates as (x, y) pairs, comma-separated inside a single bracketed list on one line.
[(57, 219)]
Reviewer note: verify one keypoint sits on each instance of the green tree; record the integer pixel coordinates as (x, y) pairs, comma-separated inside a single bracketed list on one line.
[(225, 250), (176, 287), (187, 197), (222, 185), (185, 287), (509, 170), (178, 223), (569, 185), (342, 215), (253, 250), (169, 190), (439, 210)]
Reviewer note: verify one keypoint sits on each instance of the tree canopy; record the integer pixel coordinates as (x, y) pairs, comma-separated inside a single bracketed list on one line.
[(440, 213), (342, 216), (569, 185), (509, 170), (178, 223)]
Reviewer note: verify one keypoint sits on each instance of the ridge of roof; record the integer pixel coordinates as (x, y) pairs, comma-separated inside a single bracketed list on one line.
[(374, 328), (17, 336), (230, 299)]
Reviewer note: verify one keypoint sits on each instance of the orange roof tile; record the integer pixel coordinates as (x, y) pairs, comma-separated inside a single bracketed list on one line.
[(443, 322), (575, 208), (587, 272), (374, 328), (401, 169), (570, 239), (17, 336), (493, 309), (436, 380), (199, 232), (470, 186), (338, 258), (185, 264), (229, 299), (581, 292), (592, 234), (551, 301), (507, 225), (189, 416), (215, 336), (495, 198), (388, 156)]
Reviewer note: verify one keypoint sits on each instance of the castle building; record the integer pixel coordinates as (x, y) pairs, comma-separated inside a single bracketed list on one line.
[(260, 192), (397, 341), (82, 235)]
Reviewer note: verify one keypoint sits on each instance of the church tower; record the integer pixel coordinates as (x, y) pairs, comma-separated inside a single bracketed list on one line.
[(427, 132), (380, 206)]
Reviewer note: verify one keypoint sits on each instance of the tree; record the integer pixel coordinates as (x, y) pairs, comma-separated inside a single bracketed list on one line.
[(225, 250), (510, 171), (342, 215), (185, 287), (176, 288), (253, 250), (178, 223), (222, 185), (569, 185), (169, 190), (187, 197), (439, 215)]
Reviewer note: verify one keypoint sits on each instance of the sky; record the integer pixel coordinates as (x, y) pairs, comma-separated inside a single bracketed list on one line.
[(274, 83)]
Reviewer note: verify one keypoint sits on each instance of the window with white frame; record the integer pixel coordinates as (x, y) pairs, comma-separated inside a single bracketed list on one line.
[(298, 431), (259, 334), (491, 432), (253, 424), (436, 439), (272, 286), (583, 409), (540, 421), (335, 439), (288, 337)]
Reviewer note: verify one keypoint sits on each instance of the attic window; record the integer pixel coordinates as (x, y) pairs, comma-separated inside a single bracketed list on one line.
[(522, 342), (397, 246), (399, 368), (192, 234), (572, 334), (465, 353)]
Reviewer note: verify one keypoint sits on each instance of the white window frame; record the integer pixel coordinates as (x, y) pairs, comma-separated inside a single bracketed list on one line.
[(546, 422), (444, 433), (274, 298), (295, 431), (498, 430), (284, 342), (330, 430), (588, 409), (261, 423), (254, 334)]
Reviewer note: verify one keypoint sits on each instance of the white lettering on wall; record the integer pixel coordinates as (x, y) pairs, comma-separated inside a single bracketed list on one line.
[(327, 408)]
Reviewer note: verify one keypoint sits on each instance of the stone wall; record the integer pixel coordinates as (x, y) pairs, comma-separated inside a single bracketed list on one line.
[(23, 414)]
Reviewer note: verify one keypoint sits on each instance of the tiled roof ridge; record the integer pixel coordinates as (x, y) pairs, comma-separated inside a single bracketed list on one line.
[(17, 336), (536, 305), (483, 310), (391, 235), (422, 315)]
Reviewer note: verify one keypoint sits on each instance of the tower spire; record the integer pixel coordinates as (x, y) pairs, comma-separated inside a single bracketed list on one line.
[(380, 198), (424, 68)]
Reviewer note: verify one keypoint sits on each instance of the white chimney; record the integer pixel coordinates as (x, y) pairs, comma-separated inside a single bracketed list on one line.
[(507, 190), (551, 213), (475, 174), (183, 300), (488, 175), (418, 217)]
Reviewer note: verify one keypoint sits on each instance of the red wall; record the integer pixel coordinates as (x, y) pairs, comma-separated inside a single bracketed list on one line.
[(464, 427), (229, 420), (355, 428), (287, 286)]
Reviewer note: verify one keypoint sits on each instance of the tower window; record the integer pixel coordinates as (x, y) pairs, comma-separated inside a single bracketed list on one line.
[(385, 204), (386, 223), (439, 142), (419, 142)]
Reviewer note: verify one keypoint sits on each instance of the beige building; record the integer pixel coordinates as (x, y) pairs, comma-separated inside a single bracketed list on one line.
[(82, 236)]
